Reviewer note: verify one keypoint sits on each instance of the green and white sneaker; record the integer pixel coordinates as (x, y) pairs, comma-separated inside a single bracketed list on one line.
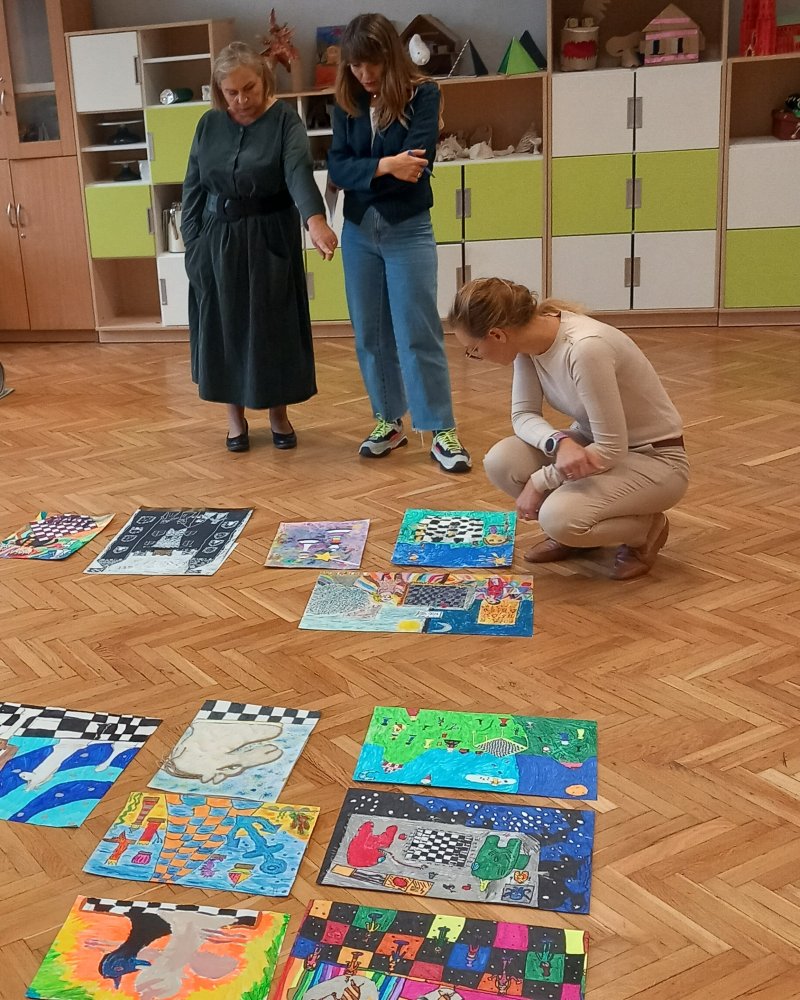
[(387, 435), (449, 452)]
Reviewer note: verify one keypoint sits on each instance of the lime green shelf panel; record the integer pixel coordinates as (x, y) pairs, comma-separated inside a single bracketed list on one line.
[(119, 223), (761, 268), (327, 301), (678, 190), (172, 130), (589, 194), (504, 199), (445, 183)]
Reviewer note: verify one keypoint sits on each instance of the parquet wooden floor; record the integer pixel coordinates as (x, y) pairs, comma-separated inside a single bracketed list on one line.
[(691, 672)]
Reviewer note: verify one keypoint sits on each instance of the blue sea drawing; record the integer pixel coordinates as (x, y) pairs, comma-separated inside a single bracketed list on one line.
[(456, 538)]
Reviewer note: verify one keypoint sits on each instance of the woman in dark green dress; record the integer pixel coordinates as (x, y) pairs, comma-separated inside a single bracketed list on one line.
[(249, 175)]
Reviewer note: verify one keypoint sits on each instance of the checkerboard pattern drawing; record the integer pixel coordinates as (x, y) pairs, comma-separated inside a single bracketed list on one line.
[(121, 907), (438, 847), (452, 530), (235, 711), (65, 724)]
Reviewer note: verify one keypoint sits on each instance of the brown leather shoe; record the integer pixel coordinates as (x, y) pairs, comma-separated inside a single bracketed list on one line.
[(630, 563), (550, 551)]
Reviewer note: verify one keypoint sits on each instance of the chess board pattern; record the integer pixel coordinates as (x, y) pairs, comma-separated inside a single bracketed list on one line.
[(207, 842), (41, 722), (160, 542), (456, 538), (53, 536), (143, 950), (398, 950), (439, 847), (236, 749)]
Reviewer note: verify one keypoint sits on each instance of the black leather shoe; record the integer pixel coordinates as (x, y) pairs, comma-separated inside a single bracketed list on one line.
[(239, 443), (284, 441)]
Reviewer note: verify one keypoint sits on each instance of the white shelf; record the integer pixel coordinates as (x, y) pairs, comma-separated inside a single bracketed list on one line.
[(174, 59), (507, 158), (119, 184), (764, 140), (116, 148), (36, 88), (319, 131), (180, 104), (166, 255)]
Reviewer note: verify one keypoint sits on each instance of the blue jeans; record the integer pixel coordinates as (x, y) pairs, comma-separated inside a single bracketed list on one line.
[(390, 277)]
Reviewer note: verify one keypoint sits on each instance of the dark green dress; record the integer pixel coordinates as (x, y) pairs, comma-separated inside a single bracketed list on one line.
[(250, 330)]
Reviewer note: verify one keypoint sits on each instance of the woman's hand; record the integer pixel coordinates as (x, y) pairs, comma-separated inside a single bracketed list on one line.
[(574, 461), (529, 502), (409, 165), (322, 236)]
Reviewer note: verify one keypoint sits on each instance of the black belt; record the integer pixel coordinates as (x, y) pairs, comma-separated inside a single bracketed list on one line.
[(233, 209)]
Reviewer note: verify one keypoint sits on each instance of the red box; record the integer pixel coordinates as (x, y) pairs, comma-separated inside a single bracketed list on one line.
[(785, 124)]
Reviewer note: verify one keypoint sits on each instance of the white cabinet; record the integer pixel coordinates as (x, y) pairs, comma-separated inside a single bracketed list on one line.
[(337, 222), (678, 107), (173, 287), (675, 270), (517, 260), (591, 270), (449, 275), (763, 184), (592, 112), (106, 71)]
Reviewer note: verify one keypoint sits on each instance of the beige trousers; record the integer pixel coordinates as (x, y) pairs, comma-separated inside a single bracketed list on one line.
[(610, 508)]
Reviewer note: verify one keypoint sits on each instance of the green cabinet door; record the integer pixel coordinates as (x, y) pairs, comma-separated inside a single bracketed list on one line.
[(761, 268), (170, 132), (120, 220), (677, 190), (590, 194), (326, 296), (445, 214), (503, 199)]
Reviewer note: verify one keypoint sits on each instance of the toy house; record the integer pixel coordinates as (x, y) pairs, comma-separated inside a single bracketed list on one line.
[(671, 37), (444, 45)]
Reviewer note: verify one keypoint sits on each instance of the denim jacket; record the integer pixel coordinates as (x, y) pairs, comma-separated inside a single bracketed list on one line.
[(354, 155)]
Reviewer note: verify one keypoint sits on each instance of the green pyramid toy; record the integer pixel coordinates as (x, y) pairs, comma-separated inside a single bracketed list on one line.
[(516, 60)]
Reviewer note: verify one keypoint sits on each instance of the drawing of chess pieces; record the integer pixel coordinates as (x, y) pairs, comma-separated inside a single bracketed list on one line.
[(279, 49)]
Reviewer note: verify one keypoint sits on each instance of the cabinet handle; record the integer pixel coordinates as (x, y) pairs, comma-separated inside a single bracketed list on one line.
[(19, 221), (3, 101), (467, 203), (637, 272), (162, 283), (136, 75), (10, 214), (635, 112), (459, 204), (151, 147), (628, 271), (150, 228), (633, 193), (463, 275), (310, 284)]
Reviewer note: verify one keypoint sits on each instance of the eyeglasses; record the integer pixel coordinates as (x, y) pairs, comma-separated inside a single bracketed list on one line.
[(470, 353)]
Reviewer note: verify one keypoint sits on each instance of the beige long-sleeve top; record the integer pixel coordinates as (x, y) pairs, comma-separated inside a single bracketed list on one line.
[(595, 374)]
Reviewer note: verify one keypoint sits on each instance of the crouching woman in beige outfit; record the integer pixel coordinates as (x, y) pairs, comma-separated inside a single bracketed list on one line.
[(608, 478)]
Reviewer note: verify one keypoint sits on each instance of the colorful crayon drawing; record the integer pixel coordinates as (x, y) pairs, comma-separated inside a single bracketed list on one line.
[(212, 843), (455, 849), (158, 542), (56, 764), (402, 955), (115, 949), (319, 544), (434, 603), (244, 751), (53, 536), (456, 538), (521, 754)]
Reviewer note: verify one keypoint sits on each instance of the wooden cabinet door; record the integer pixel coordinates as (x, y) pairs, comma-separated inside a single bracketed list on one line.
[(120, 218), (325, 281), (446, 212), (13, 298), (170, 131), (680, 106), (676, 270), (761, 268), (517, 260), (173, 287), (53, 243), (763, 184), (592, 195), (593, 112), (678, 189), (503, 199), (591, 270), (106, 71)]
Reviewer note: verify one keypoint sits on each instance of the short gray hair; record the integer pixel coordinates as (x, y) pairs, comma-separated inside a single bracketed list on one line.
[(232, 57)]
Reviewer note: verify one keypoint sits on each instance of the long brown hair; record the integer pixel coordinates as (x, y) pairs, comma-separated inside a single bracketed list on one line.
[(372, 38), (232, 57), (486, 303)]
